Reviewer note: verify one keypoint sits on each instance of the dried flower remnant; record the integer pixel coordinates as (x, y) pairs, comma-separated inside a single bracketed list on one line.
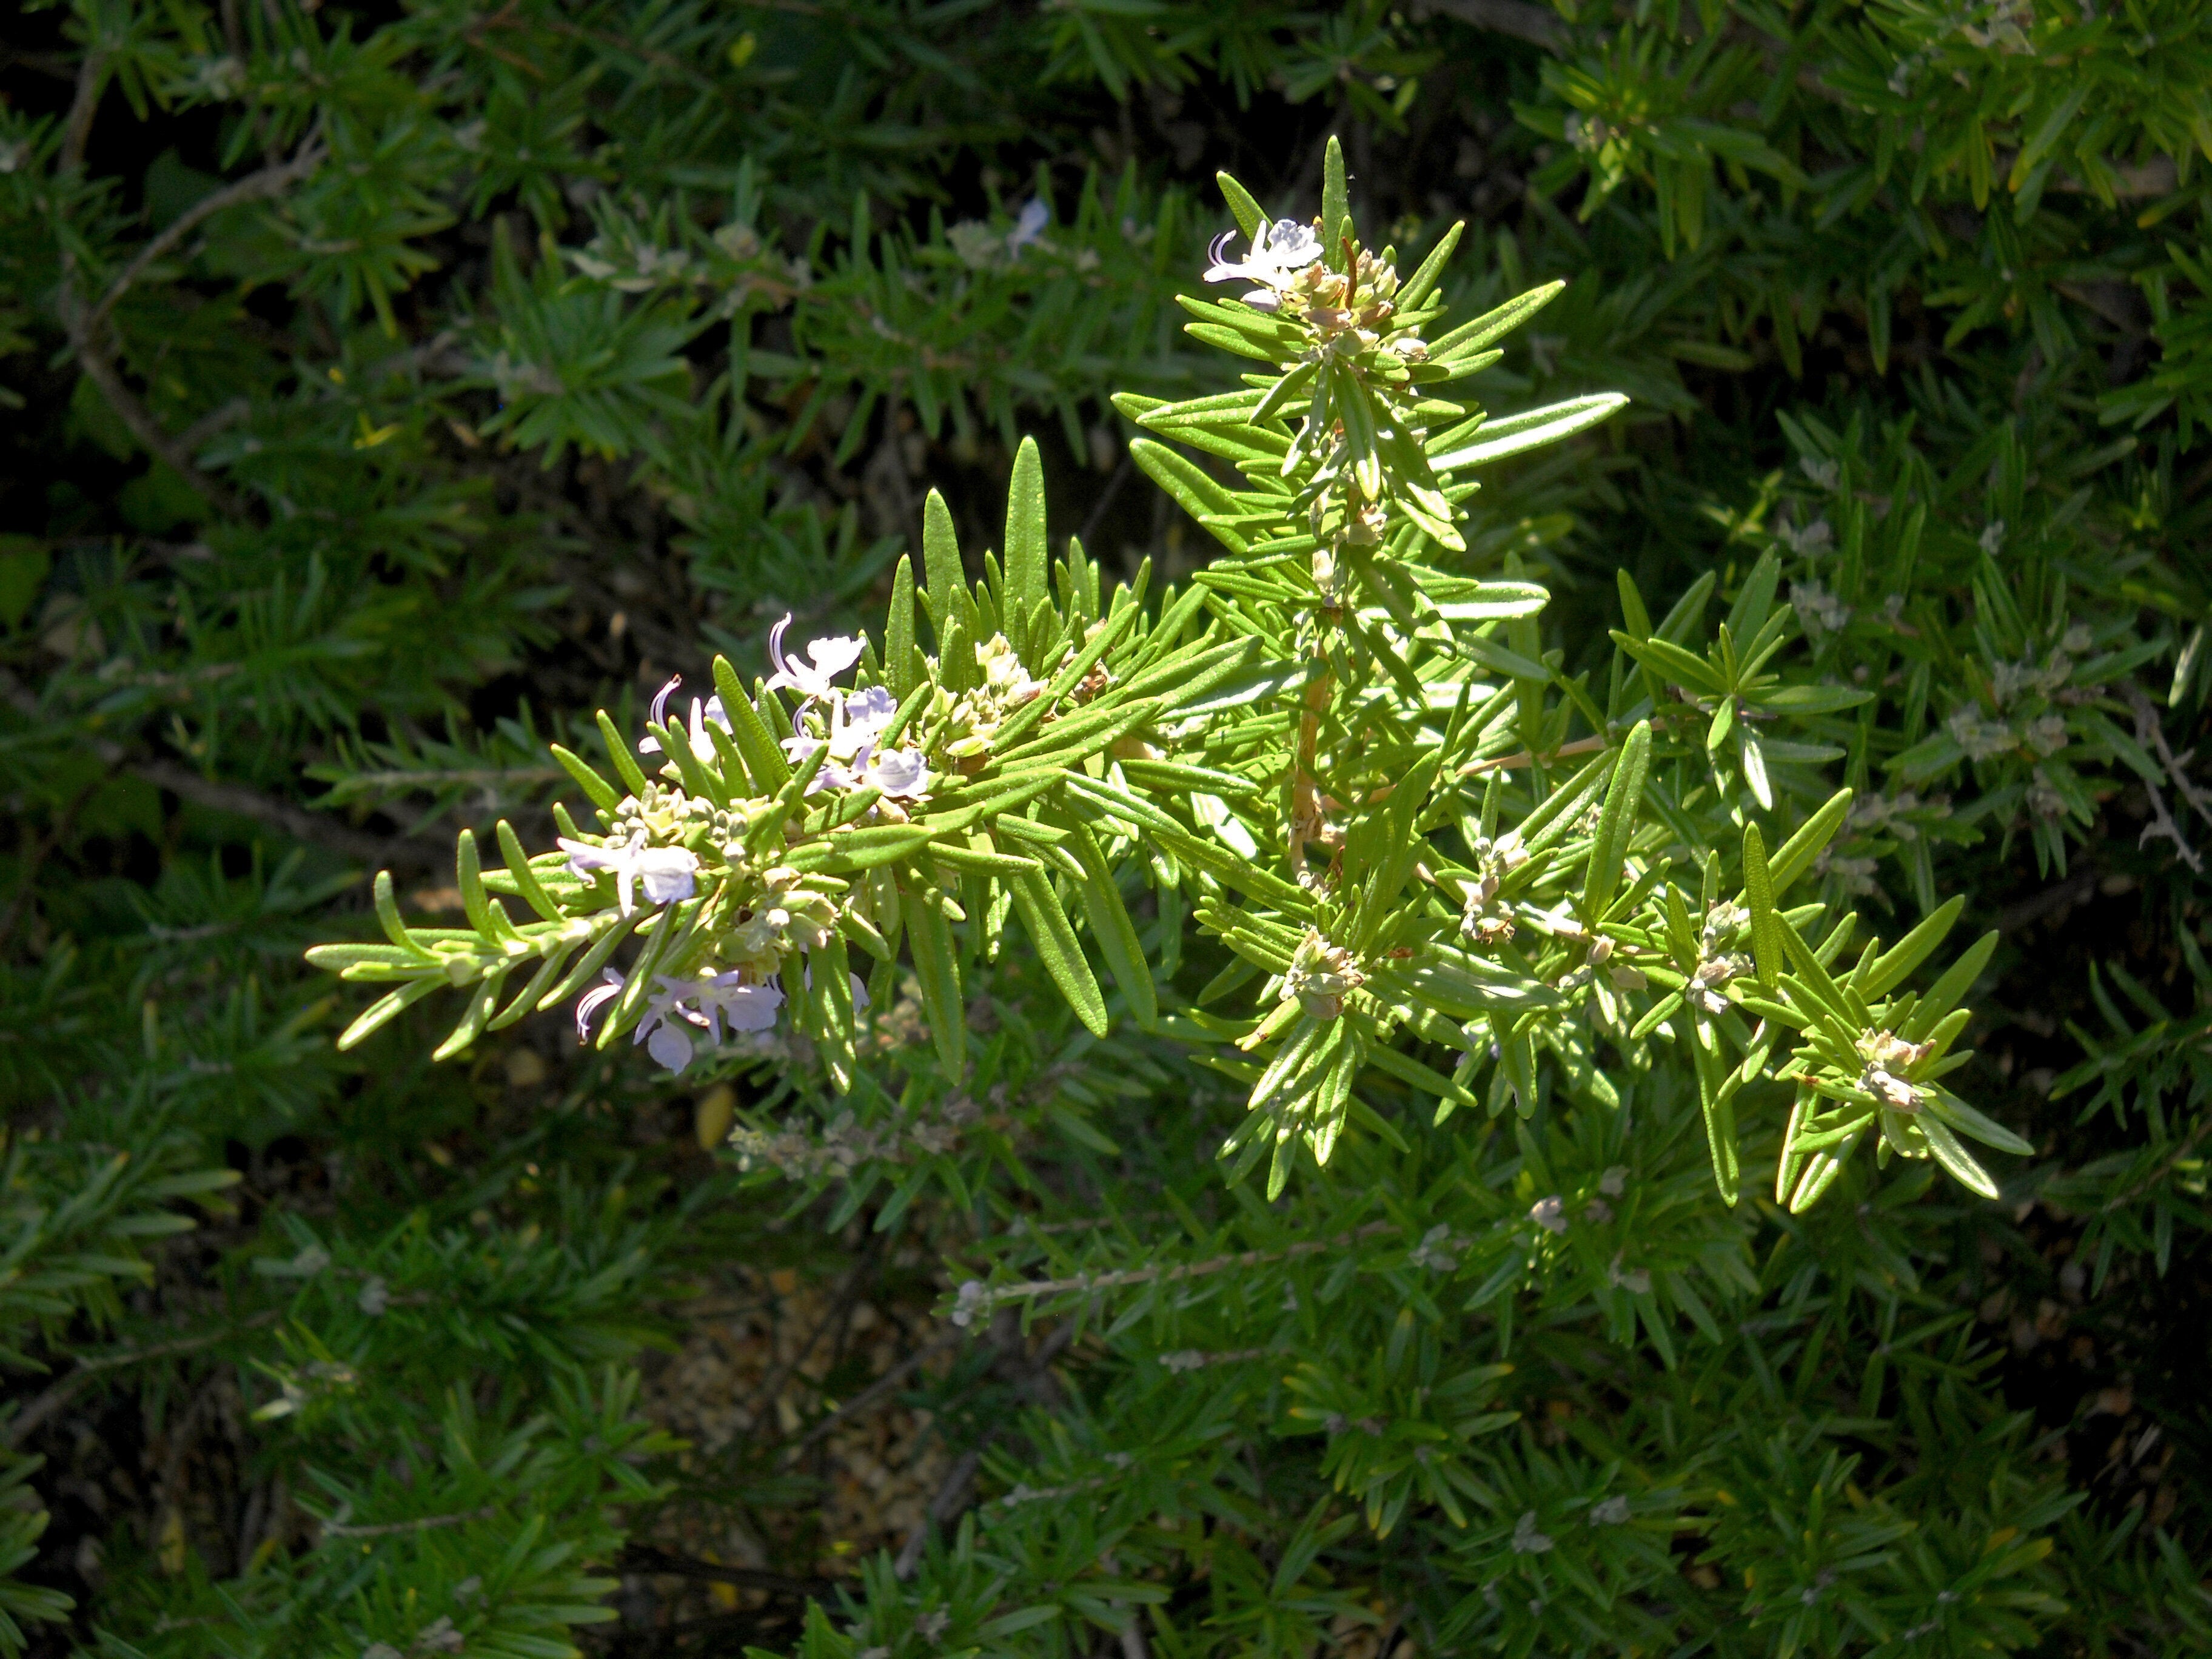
[(1885, 1056), (1486, 919), (1321, 976)]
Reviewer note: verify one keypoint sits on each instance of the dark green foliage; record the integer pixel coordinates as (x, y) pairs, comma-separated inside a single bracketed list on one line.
[(389, 390)]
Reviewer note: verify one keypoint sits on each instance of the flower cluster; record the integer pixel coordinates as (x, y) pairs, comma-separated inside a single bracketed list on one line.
[(1340, 322), (1488, 919), (1717, 963), (971, 719), (850, 725), (765, 912), (1888, 1057)]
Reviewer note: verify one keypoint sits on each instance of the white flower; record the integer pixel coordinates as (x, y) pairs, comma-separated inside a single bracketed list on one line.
[(1549, 1213), (1612, 1512), (972, 1300), (1527, 1540), (865, 714), (855, 723), (1036, 213), (831, 657), (667, 872), (1280, 251), (657, 1030), (701, 713)]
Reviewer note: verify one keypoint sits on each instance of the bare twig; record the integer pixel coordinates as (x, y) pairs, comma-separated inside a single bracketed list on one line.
[(62, 1392), (879, 1390), (643, 1558), (297, 821), (83, 336), (952, 1496), (2057, 896), (91, 78), (103, 374), (27, 883), (270, 181), (2161, 826), (1518, 18), (425, 1524), (970, 1304), (2150, 729), (949, 1500)]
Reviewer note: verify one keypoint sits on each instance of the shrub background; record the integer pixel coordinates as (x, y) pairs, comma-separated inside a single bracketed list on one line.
[(388, 387)]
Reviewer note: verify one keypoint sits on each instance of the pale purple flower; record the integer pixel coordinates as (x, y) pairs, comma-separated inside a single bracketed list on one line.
[(1036, 213), (667, 873), (904, 774), (855, 723), (671, 1047), (865, 714), (701, 713), (591, 1002), (1549, 1213), (724, 998), (1280, 251), (830, 658), (830, 775), (721, 998)]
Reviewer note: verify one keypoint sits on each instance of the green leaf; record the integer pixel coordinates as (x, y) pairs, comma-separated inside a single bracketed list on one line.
[(1768, 948), (937, 972), (1470, 337), (940, 564), (387, 916), (1190, 488), (1616, 822), (1027, 571), (1111, 925), (1798, 852), (1948, 991), (385, 1010), (1415, 287), (626, 767), (526, 878), (1539, 427), (1335, 204), (899, 646), (1670, 661), (1955, 1158), (1248, 213), (1047, 924), (597, 789), (1716, 1097), (1896, 964), (763, 756)]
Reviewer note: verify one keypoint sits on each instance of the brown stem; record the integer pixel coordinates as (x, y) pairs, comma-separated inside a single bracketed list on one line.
[(144, 427), (880, 1389), (270, 181), (61, 1392), (35, 860), (90, 77), (313, 827)]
